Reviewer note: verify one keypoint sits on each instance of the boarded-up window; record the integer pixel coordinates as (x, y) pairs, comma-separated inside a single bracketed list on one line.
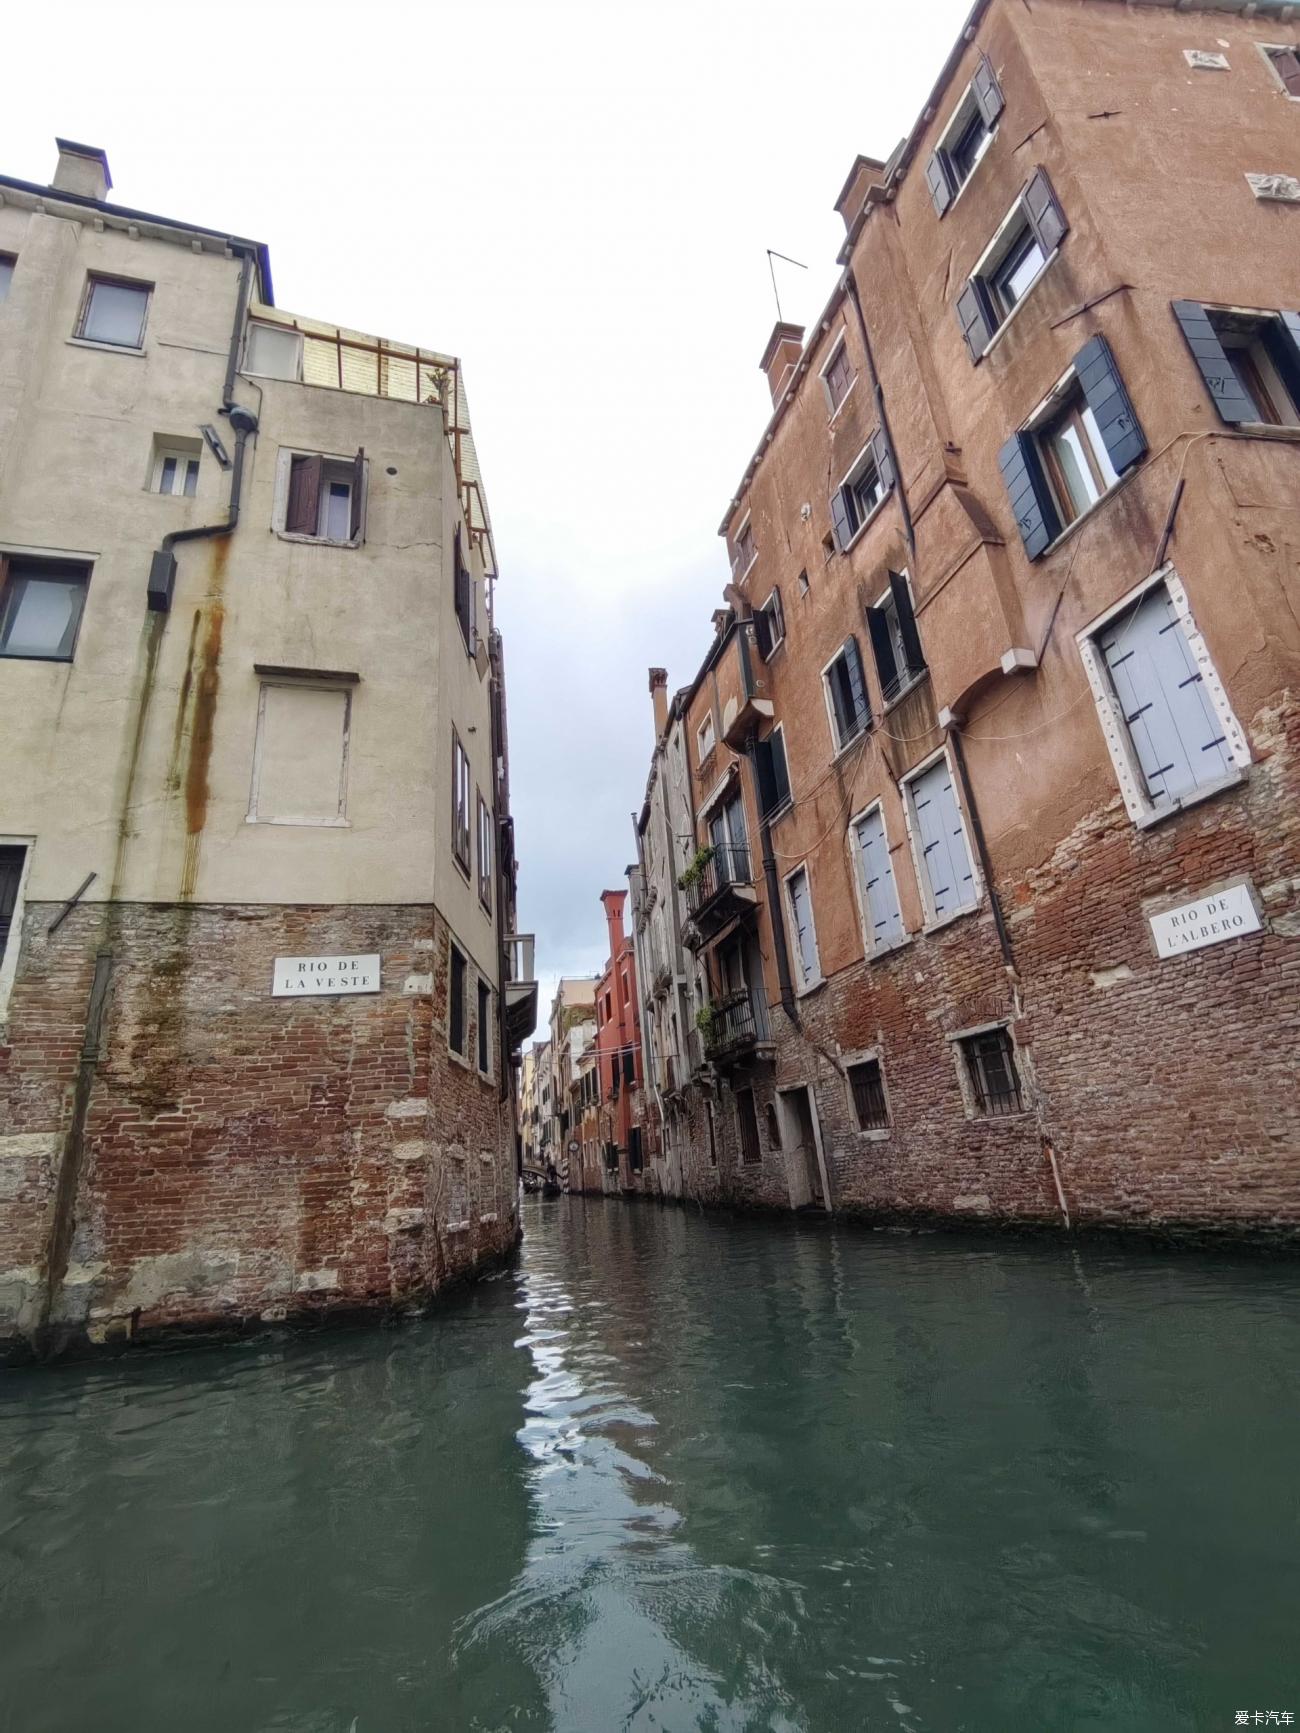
[(300, 759)]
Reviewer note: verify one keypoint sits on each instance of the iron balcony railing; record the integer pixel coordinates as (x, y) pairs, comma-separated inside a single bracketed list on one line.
[(727, 869), (732, 1028)]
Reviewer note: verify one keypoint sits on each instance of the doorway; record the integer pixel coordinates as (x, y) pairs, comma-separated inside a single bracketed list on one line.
[(805, 1160)]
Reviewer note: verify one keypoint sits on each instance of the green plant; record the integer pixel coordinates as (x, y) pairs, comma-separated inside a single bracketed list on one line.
[(695, 871), (706, 1021)]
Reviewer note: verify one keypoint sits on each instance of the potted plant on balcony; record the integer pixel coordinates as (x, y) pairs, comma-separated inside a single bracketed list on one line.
[(706, 1021), (695, 871)]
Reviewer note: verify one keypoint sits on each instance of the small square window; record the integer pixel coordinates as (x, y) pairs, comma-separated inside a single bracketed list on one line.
[(274, 351), (867, 1088), (990, 1062), (803, 584), (41, 603), (176, 469), (7, 263), (113, 312), (322, 498)]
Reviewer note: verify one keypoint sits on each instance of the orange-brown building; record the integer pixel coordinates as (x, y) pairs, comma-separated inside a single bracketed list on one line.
[(994, 752)]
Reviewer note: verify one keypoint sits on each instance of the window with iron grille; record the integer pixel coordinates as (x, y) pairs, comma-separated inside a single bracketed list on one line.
[(868, 1089), (991, 1068)]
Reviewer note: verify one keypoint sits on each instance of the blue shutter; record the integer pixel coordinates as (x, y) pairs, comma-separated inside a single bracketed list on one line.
[(939, 182), (976, 317), (1046, 218), (1120, 430), (1175, 729), (805, 943), (1030, 497), (906, 623), (987, 92), (841, 518), (880, 893), (1221, 382), (945, 859)]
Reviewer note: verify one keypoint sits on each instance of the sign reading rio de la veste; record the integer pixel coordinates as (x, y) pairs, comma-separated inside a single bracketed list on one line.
[(1227, 914), (320, 977)]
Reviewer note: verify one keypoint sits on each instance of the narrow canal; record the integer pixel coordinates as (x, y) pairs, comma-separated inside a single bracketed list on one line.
[(676, 1472)]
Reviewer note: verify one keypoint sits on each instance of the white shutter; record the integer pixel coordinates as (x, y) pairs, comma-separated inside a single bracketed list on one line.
[(805, 941), (945, 859), (880, 893)]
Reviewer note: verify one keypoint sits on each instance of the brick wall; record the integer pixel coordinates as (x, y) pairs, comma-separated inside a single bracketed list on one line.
[(244, 1158)]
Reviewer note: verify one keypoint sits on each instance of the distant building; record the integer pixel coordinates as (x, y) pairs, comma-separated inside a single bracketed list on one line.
[(260, 991), (573, 1021)]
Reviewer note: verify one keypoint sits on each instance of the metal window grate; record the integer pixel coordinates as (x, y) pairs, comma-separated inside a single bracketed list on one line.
[(991, 1066), (869, 1102)]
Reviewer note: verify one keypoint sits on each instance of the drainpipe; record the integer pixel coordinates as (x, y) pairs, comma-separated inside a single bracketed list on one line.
[(982, 849), (909, 529)]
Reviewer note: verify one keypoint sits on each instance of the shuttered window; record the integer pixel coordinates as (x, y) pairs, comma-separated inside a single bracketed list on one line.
[(966, 137), (862, 490), (804, 936), (1250, 362), (773, 776), (939, 838), (846, 691), (895, 641), (11, 877), (1286, 64), (837, 376), (325, 497), (769, 625), (1177, 735), (463, 596), (880, 910), (1034, 230)]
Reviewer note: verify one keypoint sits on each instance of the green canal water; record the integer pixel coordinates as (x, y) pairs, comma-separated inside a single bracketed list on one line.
[(679, 1472)]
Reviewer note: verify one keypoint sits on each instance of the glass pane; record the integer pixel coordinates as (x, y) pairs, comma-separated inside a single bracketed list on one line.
[(1016, 275), (116, 314), (1067, 447), (338, 526), (6, 276), (1100, 455), (272, 352), (191, 477), (167, 480), (40, 616)]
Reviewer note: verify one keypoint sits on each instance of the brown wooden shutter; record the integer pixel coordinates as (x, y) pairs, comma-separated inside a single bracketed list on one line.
[(988, 93), (302, 514), (938, 181), (358, 493), (1287, 62), (1046, 217), (975, 318)]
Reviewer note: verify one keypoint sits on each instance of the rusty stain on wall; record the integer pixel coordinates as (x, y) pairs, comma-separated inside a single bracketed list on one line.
[(203, 719)]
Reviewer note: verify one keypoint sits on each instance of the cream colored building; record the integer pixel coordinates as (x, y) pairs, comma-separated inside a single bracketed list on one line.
[(253, 703)]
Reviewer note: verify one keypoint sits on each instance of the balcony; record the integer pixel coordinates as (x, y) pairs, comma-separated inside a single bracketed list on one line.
[(520, 988), (719, 886), (732, 1031)]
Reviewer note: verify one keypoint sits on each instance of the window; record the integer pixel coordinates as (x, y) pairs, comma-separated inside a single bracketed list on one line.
[(1286, 68), (12, 861), (484, 1028), (882, 917), (773, 1126), (855, 500), (769, 626), (803, 583), (750, 1149), (113, 312), (1250, 361), (274, 351), (867, 1091), (713, 1138), (1074, 451), (944, 864), (300, 753), (456, 1031), (7, 263), (966, 137), (460, 834), (41, 603), (176, 469), (322, 498), (804, 935), (1029, 236), (895, 641), (744, 553), (464, 596), (627, 988), (846, 695), (730, 845), (1166, 718), (990, 1062), (484, 854), (773, 776), (705, 738), (837, 377)]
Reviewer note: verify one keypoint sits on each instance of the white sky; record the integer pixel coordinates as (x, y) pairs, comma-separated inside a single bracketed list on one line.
[(575, 196)]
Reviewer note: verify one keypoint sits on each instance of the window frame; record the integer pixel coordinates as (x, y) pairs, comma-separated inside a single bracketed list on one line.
[(7, 278), (329, 461), (867, 459), (787, 884), (851, 1062), (1268, 50), (873, 950), (483, 1005), (292, 331), (932, 922), (179, 455), (838, 350), (461, 782), (1018, 223), (1142, 810), (867, 722), (705, 752), (59, 571), (112, 280), (340, 821), (892, 692), (9, 950), (455, 954), (746, 530), (485, 852), (787, 805), (973, 1093), (966, 111), (775, 616)]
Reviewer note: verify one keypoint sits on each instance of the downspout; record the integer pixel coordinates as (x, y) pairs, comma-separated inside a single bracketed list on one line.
[(982, 849), (909, 529)]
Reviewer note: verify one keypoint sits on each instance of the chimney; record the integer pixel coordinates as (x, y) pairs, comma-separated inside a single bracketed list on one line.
[(659, 692), (83, 169), (613, 901), (781, 357), (865, 174)]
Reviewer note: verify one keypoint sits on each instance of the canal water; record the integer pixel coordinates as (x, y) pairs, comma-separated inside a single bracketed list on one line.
[(680, 1472)]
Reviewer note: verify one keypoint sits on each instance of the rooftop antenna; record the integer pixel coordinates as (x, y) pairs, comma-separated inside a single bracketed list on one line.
[(772, 268)]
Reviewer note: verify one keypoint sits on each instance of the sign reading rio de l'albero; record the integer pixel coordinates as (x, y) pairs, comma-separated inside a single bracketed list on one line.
[(1226, 914), (322, 977)]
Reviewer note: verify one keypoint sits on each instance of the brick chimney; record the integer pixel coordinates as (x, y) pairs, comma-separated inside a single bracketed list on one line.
[(865, 174), (781, 357), (613, 901), (82, 169), (659, 693)]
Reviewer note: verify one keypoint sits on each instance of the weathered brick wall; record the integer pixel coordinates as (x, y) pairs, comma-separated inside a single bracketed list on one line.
[(245, 1158)]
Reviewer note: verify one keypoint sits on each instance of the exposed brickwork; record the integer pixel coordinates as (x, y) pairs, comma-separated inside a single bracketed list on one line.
[(245, 1158)]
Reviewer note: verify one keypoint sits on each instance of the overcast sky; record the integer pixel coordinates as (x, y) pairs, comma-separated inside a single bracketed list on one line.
[(575, 198)]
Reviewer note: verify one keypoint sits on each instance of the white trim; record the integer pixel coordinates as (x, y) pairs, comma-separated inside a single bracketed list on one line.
[(703, 751), (1128, 772), (932, 922), (1268, 49), (341, 821), (9, 961), (776, 644), (1014, 314), (871, 950), (179, 454), (803, 867)]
